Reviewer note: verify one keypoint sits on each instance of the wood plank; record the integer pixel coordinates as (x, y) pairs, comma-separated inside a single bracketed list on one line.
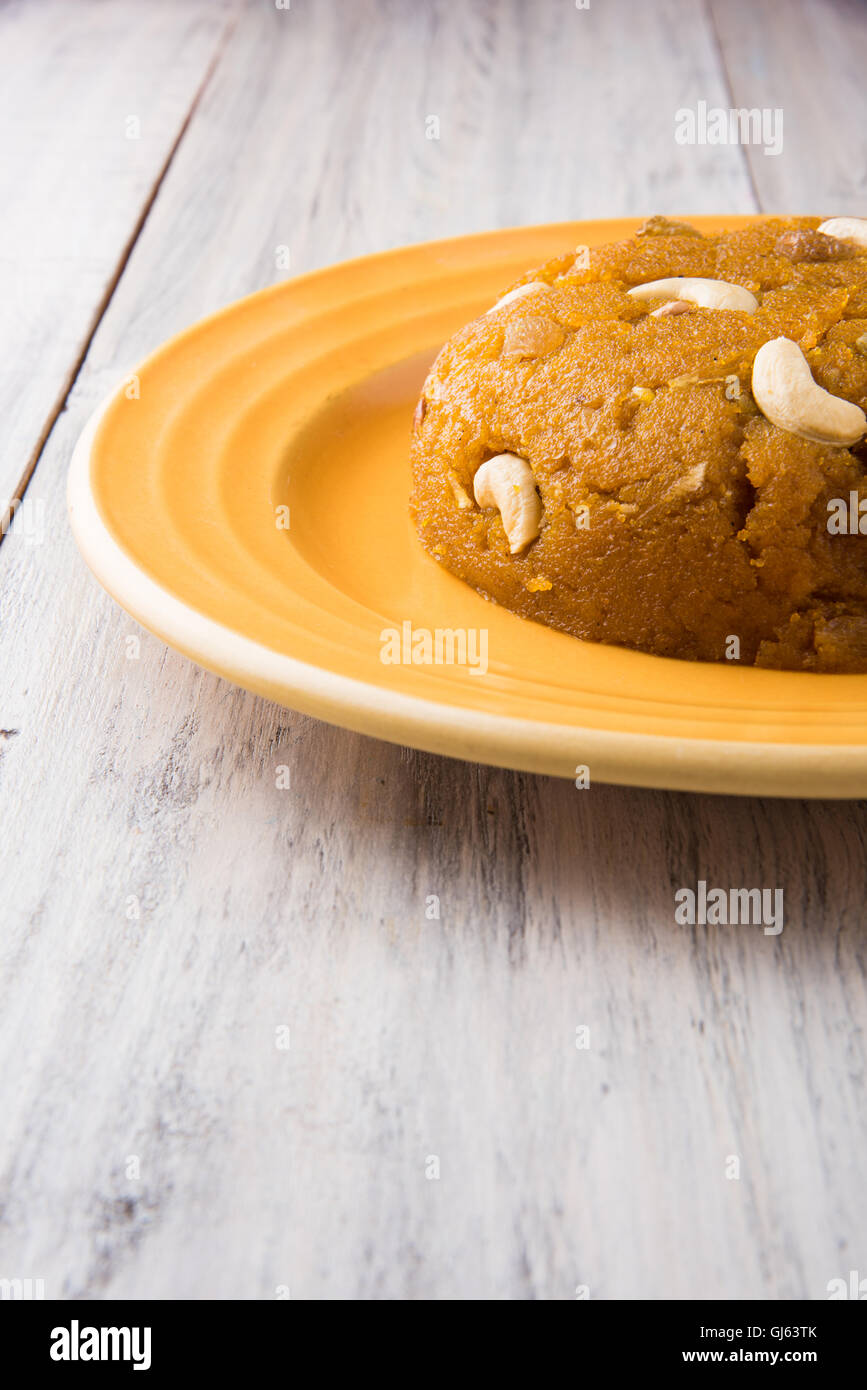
[(91, 103), (144, 785), (807, 59)]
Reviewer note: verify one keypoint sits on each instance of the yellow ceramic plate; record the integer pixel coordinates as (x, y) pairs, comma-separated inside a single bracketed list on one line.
[(301, 397)]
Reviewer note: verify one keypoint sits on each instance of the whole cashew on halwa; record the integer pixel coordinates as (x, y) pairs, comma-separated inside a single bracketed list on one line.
[(707, 294), (846, 229), (507, 483), (787, 395)]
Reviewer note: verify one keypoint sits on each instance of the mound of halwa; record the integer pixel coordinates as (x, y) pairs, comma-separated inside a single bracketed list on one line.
[(660, 443)]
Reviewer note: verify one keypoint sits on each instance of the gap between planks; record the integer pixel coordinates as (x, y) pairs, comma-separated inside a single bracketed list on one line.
[(729, 88), (68, 385)]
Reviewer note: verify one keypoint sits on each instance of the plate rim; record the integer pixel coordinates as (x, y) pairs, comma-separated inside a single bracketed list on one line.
[(649, 760)]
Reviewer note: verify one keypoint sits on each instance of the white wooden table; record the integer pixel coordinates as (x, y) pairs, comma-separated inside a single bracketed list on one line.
[(171, 919)]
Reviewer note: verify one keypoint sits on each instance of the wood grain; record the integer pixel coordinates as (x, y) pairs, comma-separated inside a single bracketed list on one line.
[(168, 909), (91, 103), (806, 59)]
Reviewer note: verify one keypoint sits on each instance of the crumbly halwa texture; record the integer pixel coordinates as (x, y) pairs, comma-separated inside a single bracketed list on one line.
[(675, 515)]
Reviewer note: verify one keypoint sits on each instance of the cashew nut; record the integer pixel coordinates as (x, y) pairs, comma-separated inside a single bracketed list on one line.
[(517, 293), (708, 294), (507, 483), (671, 306), (846, 229), (786, 393)]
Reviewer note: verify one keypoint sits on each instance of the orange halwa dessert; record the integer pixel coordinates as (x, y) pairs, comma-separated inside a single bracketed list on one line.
[(660, 443)]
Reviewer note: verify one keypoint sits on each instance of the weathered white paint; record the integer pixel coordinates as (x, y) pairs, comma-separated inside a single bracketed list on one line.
[(92, 102), (141, 778)]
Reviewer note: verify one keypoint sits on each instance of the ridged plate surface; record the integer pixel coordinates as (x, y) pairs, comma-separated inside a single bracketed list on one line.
[(301, 396)]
